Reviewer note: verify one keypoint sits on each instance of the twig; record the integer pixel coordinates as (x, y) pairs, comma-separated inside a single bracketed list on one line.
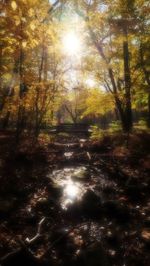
[(25, 246), (14, 253), (89, 156)]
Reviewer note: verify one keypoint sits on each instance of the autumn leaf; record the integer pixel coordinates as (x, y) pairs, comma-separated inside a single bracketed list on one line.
[(24, 44), (14, 5), (31, 12), (146, 234), (32, 26), (17, 20)]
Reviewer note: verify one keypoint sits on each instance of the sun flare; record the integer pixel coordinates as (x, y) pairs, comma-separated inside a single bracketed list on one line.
[(90, 82), (71, 43)]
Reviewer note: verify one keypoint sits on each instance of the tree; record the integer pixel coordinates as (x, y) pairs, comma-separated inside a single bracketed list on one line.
[(30, 63), (111, 27)]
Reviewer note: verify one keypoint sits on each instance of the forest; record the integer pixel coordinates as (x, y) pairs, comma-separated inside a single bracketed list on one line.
[(74, 132)]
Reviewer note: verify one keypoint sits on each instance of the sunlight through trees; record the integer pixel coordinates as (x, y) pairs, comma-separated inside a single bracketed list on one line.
[(103, 46)]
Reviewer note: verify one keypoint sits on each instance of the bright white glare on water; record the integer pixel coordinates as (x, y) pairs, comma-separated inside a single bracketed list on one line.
[(71, 190)]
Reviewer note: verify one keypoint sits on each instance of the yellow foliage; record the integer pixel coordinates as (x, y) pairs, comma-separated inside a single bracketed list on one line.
[(14, 5), (98, 103), (32, 26), (24, 44), (17, 20), (31, 12)]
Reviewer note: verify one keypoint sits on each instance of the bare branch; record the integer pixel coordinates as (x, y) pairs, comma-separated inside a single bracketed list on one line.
[(53, 6)]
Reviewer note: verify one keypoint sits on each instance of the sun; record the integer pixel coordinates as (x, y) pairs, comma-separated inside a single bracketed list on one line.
[(71, 43), (90, 82)]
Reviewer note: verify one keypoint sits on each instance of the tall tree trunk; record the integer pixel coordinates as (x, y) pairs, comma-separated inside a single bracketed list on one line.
[(147, 78), (1, 52), (127, 79), (126, 112), (148, 118), (21, 110), (45, 64), (36, 128), (42, 62)]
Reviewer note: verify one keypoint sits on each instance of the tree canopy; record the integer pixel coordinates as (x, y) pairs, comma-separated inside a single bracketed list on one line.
[(48, 48)]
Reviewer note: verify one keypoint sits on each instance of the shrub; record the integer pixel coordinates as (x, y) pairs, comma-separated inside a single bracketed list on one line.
[(96, 133), (115, 126), (142, 124)]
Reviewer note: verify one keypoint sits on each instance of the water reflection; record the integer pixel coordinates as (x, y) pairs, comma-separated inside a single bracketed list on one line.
[(71, 190), (68, 180), (75, 181)]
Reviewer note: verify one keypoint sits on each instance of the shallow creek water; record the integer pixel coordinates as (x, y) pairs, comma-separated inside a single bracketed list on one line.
[(84, 188), (76, 181)]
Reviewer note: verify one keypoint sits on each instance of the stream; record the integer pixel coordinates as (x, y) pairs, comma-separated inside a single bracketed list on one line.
[(93, 222), (90, 214)]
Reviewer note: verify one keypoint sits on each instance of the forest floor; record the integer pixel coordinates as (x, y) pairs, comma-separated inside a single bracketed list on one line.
[(75, 201)]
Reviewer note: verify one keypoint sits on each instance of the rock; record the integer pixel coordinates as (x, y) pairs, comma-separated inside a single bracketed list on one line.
[(80, 174), (91, 204), (43, 203), (112, 252), (68, 155)]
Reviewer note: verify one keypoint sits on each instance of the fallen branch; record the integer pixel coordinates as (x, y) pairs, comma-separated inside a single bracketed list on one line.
[(24, 247), (89, 156), (38, 234)]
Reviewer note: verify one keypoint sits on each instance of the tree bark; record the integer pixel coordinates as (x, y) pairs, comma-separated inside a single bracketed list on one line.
[(147, 78), (127, 79)]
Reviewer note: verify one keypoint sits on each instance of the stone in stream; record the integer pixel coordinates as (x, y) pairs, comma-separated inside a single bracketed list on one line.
[(91, 204), (80, 174), (43, 203), (68, 155)]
